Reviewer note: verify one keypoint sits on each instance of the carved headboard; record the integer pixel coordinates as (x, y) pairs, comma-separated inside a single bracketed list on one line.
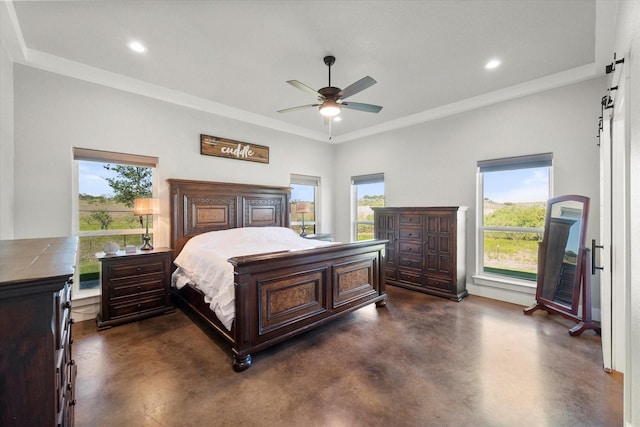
[(201, 206)]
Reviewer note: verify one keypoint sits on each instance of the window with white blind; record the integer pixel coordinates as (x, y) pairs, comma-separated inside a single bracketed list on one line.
[(367, 192), (305, 204), (107, 185), (512, 198)]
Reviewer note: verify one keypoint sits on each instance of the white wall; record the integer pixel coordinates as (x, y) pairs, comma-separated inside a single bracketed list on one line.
[(434, 164), (6, 143), (54, 113)]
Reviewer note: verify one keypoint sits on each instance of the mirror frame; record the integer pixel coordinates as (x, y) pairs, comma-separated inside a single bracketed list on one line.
[(582, 278), (543, 252)]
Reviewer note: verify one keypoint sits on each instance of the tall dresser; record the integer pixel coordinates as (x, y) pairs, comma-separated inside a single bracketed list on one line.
[(37, 372), (426, 248)]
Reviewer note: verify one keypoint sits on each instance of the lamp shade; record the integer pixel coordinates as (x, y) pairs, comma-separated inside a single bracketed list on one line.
[(303, 207), (146, 206)]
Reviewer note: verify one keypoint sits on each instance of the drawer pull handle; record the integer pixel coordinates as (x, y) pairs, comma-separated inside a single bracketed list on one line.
[(69, 386), (66, 305), (72, 321), (70, 281), (72, 403), (72, 362), (70, 341)]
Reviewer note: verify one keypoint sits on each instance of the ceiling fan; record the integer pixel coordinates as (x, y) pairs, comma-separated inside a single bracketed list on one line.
[(331, 99)]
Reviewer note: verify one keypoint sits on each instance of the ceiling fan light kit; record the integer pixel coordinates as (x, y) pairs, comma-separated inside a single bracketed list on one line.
[(331, 99), (330, 109)]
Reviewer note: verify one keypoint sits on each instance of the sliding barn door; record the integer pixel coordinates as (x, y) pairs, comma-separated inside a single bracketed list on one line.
[(603, 248)]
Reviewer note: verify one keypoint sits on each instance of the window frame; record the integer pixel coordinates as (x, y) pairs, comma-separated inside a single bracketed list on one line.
[(99, 156), (313, 181), (361, 180), (504, 164)]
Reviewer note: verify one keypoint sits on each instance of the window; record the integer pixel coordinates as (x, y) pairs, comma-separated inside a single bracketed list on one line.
[(107, 185), (512, 199), (304, 204), (367, 192)]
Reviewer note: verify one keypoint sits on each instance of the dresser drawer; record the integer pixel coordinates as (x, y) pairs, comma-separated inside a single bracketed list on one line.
[(413, 277), (411, 219), (132, 270), (410, 262), (62, 314), (136, 306), (137, 288), (411, 248), (407, 233), (442, 284)]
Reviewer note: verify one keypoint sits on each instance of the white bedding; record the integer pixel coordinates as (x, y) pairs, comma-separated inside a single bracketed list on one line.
[(203, 261)]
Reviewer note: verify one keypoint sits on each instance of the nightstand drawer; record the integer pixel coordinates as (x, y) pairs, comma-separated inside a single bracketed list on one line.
[(136, 306), (125, 270), (128, 289)]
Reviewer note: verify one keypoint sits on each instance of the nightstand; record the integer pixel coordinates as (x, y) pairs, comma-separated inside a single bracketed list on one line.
[(134, 286)]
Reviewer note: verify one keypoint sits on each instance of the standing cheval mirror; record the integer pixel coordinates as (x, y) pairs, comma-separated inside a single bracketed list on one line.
[(563, 263)]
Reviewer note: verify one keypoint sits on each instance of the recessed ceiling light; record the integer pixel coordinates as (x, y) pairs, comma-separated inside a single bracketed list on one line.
[(137, 47), (494, 63)]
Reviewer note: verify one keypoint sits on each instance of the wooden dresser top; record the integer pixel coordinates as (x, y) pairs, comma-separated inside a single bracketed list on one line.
[(28, 260)]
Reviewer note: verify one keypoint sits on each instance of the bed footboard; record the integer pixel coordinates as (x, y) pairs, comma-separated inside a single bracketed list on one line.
[(284, 294)]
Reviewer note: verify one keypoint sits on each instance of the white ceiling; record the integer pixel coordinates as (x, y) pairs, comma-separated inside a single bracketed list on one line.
[(234, 57)]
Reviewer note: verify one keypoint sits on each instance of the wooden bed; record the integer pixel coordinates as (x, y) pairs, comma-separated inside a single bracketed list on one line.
[(277, 295)]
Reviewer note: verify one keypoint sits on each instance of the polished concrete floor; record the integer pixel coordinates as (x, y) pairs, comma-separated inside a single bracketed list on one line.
[(420, 361)]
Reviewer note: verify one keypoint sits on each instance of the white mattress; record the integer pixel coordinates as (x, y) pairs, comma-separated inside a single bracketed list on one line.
[(203, 261)]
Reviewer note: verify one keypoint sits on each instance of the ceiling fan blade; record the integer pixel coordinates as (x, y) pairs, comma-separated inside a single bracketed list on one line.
[(303, 87), (369, 108), (301, 107), (356, 87)]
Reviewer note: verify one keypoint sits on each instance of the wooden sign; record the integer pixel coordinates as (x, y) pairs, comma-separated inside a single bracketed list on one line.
[(220, 147)]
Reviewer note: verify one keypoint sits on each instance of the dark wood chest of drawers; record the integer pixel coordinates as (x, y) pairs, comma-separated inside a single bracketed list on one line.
[(426, 248), (37, 372), (134, 286)]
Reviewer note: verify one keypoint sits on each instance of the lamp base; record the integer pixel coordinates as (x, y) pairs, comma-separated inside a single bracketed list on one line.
[(146, 246)]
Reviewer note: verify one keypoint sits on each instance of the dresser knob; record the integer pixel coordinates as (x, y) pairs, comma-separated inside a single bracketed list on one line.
[(69, 386), (70, 281), (72, 362), (71, 321), (72, 403), (66, 304)]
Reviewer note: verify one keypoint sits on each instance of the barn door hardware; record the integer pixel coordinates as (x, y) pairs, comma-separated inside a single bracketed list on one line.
[(593, 256), (612, 67)]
